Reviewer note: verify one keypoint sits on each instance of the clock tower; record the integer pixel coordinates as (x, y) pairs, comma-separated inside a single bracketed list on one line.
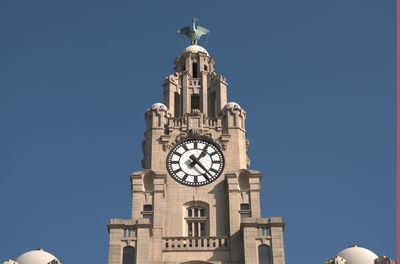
[(196, 199)]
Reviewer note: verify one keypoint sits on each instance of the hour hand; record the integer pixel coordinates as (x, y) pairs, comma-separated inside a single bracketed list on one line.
[(196, 161)]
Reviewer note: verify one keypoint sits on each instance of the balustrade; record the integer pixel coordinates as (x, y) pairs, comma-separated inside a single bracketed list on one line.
[(195, 243), (194, 83), (208, 122)]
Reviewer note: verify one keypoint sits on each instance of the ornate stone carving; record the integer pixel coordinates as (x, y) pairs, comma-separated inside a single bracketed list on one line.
[(196, 112), (247, 153), (223, 141), (384, 260), (336, 260), (189, 134), (164, 140)]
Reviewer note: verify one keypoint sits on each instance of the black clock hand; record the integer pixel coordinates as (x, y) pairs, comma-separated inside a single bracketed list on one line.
[(196, 161), (202, 154)]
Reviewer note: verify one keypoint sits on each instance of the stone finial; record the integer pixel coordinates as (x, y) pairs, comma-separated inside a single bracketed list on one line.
[(384, 260), (336, 260)]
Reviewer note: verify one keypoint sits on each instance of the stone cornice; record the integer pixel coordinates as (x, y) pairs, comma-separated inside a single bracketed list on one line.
[(263, 222)]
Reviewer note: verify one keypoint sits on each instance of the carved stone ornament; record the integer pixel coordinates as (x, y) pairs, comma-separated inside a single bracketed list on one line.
[(166, 144), (164, 140), (247, 145), (223, 141), (247, 153), (196, 112)]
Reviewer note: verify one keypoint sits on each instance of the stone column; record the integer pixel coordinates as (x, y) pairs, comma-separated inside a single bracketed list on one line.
[(158, 216), (249, 245), (204, 93), (277, 247), (143, 245), (234, 218), (114, 247), (254, 180), (185, 96), (137, 194)]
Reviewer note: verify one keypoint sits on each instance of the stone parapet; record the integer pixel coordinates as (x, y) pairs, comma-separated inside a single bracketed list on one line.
[(262, 222), (195, 243)]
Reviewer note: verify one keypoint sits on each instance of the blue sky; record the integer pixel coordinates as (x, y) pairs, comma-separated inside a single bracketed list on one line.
[(316, 77)]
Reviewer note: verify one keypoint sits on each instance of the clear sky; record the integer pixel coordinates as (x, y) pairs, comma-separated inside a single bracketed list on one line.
[(316, 77)]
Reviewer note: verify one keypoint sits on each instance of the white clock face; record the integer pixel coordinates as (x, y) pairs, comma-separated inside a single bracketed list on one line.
[(195, 162)]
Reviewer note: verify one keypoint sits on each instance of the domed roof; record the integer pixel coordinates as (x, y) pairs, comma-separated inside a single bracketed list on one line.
[(195, 49), (232, 105), (358, 255), (38, 256), (159, 106)]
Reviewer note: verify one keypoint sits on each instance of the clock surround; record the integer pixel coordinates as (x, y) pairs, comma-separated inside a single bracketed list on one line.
[(195, 162)]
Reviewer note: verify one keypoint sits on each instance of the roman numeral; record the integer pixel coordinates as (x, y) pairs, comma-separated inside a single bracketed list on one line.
[(184, 177), (177, 170), (195, 144), (185, 147), (213, 170), (175, 162), (213, 153), (216, 161)]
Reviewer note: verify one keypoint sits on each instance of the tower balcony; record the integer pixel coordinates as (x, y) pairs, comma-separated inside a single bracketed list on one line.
[(195, 243), (187, 121)]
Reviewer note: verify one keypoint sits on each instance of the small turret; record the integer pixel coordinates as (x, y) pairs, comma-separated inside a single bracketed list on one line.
[(157, 116), (234, 116)]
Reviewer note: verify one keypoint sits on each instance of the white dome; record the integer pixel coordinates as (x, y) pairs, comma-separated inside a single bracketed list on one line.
[(358, 255), (195, 49), (38, 256), (159, 106), (232, 105)]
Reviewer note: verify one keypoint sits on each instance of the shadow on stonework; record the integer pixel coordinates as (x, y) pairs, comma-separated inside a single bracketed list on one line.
[(196, 262)]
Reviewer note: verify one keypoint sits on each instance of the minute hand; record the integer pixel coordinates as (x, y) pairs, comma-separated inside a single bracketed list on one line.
[(202, 154), (196, 161)]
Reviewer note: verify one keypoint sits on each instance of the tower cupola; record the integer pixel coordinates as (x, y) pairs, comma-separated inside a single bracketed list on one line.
[(195, 87)]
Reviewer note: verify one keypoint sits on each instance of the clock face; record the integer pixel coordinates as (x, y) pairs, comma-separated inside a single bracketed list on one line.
[(195, 162)]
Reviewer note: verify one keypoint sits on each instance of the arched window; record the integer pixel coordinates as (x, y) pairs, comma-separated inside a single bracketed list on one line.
[(196, 221), (212, 104), (194, 69), (244, 183), (148, 182), (128, 255), (177, 105), (195, 101), (264, 254), (148, 208)]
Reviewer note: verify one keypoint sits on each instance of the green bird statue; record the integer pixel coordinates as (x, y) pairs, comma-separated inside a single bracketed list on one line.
[(194, 33)]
